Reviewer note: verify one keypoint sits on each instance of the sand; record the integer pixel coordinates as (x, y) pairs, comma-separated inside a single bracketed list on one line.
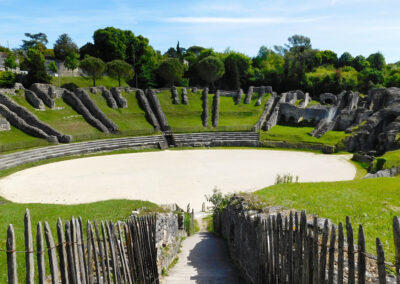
[(164, 177)]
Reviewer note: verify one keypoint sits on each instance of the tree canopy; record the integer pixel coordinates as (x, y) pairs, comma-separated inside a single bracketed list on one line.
[(171, 70), (93, 67), (64, 46), (119, 69), (210, 69), (37, 41)]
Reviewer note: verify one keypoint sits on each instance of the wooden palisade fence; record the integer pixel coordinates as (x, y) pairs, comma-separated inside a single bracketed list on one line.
[(124, 252), (291, 251), (297, 254)]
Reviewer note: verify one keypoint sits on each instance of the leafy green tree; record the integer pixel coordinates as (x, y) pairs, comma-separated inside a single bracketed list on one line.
[(53, 67), (111, 43), (272, 71), (237, 69), (327, 57), (64, 46), (360, 63), (377, 61), (7, 79), (195, 50), (119, 69), (210, 69), (37, 41), (370, 78), (346, 59), (72, 61), (171, 70), (298, 43), (35, 64), (11, 61), (93, 67)]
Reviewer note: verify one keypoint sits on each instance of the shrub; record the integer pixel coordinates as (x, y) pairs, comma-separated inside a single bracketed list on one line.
[(218, 199), (7, 79), (285, 178)]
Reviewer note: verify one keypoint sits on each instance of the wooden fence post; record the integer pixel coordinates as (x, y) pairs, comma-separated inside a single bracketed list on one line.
[(62, 252), (315, 251), (72, 273), (381, 262), (396, 238), (11, 256), (40, 254), (350, 251), (340, 254), (331, 264), (362, 266), (100, 246), (324, 249), (30, 269), (51, 250)]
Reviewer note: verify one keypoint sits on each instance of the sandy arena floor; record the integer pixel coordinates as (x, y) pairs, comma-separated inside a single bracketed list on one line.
[(180, 177)]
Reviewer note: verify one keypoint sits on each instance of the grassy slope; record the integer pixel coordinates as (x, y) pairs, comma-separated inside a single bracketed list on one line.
[(13, 213), (300, 134), (63, 118), (128, 119), (187, 118), (82, 82), (370, 202), (388, 160)]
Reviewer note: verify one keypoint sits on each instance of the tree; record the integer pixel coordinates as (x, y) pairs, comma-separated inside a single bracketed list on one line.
[(35, 64), (237, 68), (64, 46), (327, 57), (298, 43), (210, 69), (53, 67), (171, 70), (377, 61), (93, 67), (119, 69), (346, 59), (11, 61), (72, 61), (360, 63), (111, 43), (37, 41)]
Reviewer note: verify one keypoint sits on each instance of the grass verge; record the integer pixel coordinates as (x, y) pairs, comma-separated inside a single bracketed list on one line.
[(370, 202)]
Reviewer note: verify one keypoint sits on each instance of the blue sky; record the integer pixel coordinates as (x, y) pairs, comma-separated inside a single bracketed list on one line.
[(357, 26)]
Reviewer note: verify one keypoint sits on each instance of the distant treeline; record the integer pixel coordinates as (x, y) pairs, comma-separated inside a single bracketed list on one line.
[(295, 65)]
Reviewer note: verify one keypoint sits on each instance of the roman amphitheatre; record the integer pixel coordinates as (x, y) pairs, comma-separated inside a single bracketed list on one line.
[(185, 167)]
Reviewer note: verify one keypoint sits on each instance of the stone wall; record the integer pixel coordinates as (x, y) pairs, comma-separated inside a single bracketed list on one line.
[(121, 101), (168, 239), (204, 115), (156, 106), (145, 105), (215, 109)]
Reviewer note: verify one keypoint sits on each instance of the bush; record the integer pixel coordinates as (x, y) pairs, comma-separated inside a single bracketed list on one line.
[(7, 79), (218, 199), (285, 178), (70, 86)]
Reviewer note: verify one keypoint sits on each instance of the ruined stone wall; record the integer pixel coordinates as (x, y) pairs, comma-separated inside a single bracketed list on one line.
[(168, 239), (204, 115), (156, 106), (145, 105), (215, 109), (121, 101)]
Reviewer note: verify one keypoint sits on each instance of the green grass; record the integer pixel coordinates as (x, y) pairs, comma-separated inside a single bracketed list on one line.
[(127, 119), (389, 160), (187, 118), (13, 213), (300, 134), (16, 139), (62, 118), (83, 82), (370, 202)]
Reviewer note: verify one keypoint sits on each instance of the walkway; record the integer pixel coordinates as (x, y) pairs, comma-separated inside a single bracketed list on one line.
[(204, 259)]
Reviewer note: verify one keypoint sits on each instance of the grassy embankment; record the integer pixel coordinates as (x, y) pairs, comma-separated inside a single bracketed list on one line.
[(131, 121), (389, 160), (370, 202), (83, 82), (300, 134), (187, 118)]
